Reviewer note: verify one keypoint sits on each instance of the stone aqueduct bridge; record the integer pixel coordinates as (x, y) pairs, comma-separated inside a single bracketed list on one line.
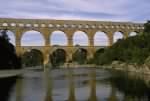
[(46, 27)]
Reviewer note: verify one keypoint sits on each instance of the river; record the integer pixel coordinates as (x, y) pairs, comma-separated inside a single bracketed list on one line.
[(83, 84)]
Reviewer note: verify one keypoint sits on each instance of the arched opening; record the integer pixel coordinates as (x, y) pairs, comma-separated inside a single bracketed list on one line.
[(32, 57), (58, 38), (80, 56), (101, 39), (132, 34), (11, 36), (117, 36), (32, 38), (58, 57), (80, 38)]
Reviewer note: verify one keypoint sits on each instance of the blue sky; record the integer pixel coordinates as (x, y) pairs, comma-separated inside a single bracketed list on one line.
[(118, 10), (102, 10)]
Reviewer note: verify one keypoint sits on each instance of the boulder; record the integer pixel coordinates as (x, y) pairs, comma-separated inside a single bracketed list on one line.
[(115, 64), (147, 62), (145, 69), (131, 68)]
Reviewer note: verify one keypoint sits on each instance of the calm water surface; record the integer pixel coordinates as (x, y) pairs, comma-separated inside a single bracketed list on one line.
[(75, 85)]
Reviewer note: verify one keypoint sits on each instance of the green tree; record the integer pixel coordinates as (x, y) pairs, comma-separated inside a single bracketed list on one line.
[(147, 27), (80, 56), (58, 57), (32, 58), (97, 54), (3, 34), (8, 57)]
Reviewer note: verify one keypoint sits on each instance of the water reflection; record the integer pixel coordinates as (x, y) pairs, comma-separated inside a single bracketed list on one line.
[(92, 85), (80, 85), (48, 84), (113, 95), (19, 87), (71, 86), (133, 86)]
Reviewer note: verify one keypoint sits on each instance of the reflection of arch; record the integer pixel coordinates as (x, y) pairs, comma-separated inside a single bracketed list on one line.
[(32, 38), (80, 38), (58, 38), (58, 57), (101, 39), (80, 55), (117, 35), (92, 83), (133, 33), (32, 57)]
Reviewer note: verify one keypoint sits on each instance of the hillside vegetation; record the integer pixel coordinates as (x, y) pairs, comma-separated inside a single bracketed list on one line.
[(134, 49)]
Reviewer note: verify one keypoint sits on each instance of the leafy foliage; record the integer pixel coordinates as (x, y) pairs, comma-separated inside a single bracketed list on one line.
[(58, 57), (147, 27), (32, 58), (8, 57), (80, 56), (131, 50), (3, 34)]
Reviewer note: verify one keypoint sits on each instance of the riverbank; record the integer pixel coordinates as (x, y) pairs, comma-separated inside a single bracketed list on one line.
[(10, 73), (75, 65), (116, 65)]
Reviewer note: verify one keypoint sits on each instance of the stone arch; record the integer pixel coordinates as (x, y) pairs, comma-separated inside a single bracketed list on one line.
[(33, 57), (80, 38), (32, 38), (117, 35), (23, 31), (58, 57), (101, 39), (133, 33), (11, 36), (80, 56), (58, 38)]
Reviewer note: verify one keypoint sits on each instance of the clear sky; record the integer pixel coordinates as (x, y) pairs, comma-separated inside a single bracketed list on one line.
[(103, 10)]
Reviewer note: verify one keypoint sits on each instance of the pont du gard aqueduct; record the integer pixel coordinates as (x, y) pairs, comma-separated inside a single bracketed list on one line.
[(69, 27)]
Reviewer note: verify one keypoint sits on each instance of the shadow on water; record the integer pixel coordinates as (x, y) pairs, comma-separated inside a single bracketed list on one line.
[(132, 86), (6, 85)]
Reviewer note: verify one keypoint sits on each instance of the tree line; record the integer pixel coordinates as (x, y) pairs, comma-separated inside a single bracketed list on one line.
[(135, 49)]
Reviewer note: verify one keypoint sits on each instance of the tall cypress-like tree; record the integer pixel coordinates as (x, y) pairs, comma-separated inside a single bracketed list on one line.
[(8, 57)]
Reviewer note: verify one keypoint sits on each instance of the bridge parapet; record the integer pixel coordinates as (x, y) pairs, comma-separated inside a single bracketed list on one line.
[(65, 24)]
